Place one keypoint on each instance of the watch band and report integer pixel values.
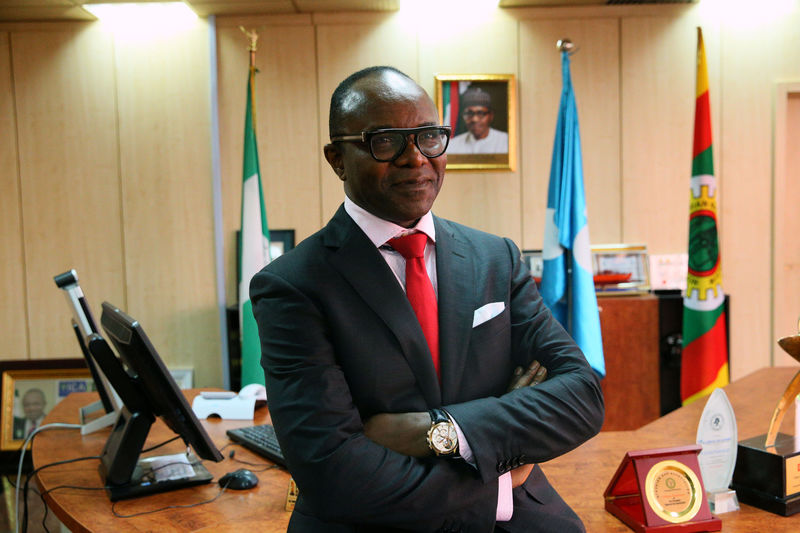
(438, 415)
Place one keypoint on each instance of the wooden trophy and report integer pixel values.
(661, 491)
(767, 473)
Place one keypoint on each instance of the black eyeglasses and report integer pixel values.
(470, 114)
(386, 145)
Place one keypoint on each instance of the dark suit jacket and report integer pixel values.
(341, 343)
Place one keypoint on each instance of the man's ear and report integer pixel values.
(333, 154)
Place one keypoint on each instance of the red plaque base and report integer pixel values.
(661, 491)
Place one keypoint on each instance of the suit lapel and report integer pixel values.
(361, 264)
(456, 280)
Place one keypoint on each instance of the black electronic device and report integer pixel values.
(84, 326)
(241, 479)
(260, 439)
(147, 390)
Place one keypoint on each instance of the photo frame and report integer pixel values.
(534, 260)
(280, 241)
(481, 110)
(620, 269)
(31, 388)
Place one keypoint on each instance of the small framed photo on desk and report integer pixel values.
(30, 389)
(620, 269)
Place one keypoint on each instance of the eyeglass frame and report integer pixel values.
(367, 135)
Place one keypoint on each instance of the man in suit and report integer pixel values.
(33, 405)
(356, 386)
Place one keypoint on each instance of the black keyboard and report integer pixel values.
(261, 439)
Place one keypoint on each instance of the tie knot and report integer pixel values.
(411, 245)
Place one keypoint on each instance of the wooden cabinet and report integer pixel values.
(631, 348)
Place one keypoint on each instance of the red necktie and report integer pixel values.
(419, 289)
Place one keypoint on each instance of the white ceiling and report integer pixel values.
(30, 10)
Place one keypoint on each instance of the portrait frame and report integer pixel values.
(280, 242)
(620, 269)
(502, 89)
(534, 260)
(56, 378)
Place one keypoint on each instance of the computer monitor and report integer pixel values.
(147, 390)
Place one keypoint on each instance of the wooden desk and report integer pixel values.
(260, 509)
(580, 477)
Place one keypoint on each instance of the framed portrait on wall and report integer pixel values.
(481, 110)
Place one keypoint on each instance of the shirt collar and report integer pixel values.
(379, 230)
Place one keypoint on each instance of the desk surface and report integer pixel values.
(580, 476)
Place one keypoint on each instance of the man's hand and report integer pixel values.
(534, 375)
(520, 474)
(404, 433)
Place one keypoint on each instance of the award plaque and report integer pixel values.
(767, 473)
(661, 491)
(716, 433)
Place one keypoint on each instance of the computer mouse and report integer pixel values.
(241, 479)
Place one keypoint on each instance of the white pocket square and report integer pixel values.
(487, 312)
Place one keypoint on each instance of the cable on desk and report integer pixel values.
(151, 448)
(42, 494)
(185, 506)
(30, 437)
(30, 476)
(267, 466)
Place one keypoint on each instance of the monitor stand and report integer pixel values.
(144, 479)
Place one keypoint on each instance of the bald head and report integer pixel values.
(365, 88)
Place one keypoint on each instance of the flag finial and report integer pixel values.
(253, 36)
(565, 45)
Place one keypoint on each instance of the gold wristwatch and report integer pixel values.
(442, 436)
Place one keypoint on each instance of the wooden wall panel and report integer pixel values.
(287, 118)
(595, 77)
(658, 88)
(164, 131)
(749, 71)
(346, 44)
(70, 196)
(13, 323)
(786, 226)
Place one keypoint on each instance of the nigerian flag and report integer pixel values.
(253, 244)
(704, 361)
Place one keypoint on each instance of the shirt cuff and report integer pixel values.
(505, 498)
(463, 447)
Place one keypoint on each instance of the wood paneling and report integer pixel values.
(595, 77)
(287, 133)
(12, 276)
(658, 87)
(632, 386)
(70, 197)
(164, 132)
(786, 224)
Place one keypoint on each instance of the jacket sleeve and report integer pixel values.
(343, 476)
(533, 424)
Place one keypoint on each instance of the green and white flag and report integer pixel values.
(253, 244)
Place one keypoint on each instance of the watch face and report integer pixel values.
(443, 438)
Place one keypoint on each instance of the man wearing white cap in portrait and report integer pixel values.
(480, 137)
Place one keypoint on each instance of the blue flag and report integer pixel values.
(567, 281)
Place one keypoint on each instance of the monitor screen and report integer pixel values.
(160, 390)
(147, 390)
